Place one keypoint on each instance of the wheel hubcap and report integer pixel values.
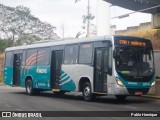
(29, 87)
(87, 91)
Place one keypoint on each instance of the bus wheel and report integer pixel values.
(121, 97)
(87, 95)
(29, 88)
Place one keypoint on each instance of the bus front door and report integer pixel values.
(17, 68)
(100, 70)
(56, 64)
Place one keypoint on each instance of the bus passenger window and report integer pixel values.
(24, 57)
(31, 57)
(71, 54)
(85, 54)
(43, 56)
(8, 59)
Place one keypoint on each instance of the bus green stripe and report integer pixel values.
(64, 79)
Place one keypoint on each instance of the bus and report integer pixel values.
(106, 65)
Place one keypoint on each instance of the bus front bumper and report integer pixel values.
(118, 90)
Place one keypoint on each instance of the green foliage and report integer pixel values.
(4, 44)
(18, 25)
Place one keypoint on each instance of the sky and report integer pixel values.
(69, 14)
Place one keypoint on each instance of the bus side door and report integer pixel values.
(17, 60)
(43, 68)
(56, 66)
(100, 69)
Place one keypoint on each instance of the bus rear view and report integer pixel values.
(134, 66)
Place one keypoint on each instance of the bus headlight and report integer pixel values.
(153, 83)
(119, 82)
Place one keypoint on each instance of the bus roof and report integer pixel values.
(49, 43)
(59, 42)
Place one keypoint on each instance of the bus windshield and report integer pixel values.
(134, 61)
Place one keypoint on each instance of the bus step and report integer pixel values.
(55, 90)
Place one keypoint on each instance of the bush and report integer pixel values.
(1, 67)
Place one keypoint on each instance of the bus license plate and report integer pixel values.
(138, 93)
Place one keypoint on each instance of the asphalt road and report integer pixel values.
(15, 99)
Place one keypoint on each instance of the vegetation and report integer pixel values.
(1, 67)
(19, 26)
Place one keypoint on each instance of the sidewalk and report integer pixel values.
(3, 85)
(152, 96)
(154, 93)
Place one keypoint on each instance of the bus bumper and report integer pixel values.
(118, 90)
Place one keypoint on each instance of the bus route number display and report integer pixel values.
(132, 43)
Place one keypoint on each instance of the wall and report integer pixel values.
(157, 62)
(144, 30)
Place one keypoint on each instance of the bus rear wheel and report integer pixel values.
(87, 94)
(29, 88)
(121, 97)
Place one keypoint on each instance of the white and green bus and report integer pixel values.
(108, 65)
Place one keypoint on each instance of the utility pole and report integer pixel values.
(88, 20)
(87, 17)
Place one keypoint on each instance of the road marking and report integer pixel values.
(8, 105)
(131, 107)
(19, 109)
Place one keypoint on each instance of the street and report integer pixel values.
(15, 99)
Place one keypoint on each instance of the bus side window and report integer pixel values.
(31, 57)
(8, 59)
(24, 58)
(85, 53)
(71, 54)
(43, 56)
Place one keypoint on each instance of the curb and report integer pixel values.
(1, 84)
(151, 96)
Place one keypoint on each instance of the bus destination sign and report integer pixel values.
(132, 43)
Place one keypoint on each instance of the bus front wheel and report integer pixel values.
(87, 94)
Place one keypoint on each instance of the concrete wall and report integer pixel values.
(157, 62)
(142, 26)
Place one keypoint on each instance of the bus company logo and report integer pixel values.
(41, 70)
(6, 114)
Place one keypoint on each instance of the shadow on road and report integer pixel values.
(103, 99)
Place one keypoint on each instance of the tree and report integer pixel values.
(4, 44)
(18, 23)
